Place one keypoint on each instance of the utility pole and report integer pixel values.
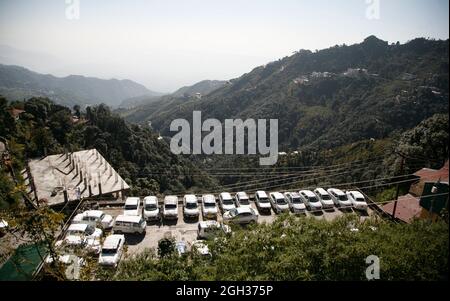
(402, 165)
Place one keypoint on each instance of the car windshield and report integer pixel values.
(360, 200)
(130, 207)
(227, 202)
(233, 213)
(296, 201)
(244, 202)
(109, 251)
(313, 199)
(151, 207)
(343, 197)
(170, 206)
(326, 197)
(210, 205)
(191, 205)
(263, 200)
(281, 201)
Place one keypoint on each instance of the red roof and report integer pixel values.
(407, 208)
(16, 112)
(433, 175)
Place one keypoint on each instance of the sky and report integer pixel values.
(167, 44)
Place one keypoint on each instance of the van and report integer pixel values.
(150, 208)
(262, 201)
(170, 207)
(190, 206)
(129, 224)
(132, 205)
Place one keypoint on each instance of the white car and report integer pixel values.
(94, 218)
(242, 200)
(208, 229)
(240, 215)
(262, 201)
(311, 201)
(150, 208)
(112, 250)
(279, 203)
(340, 199)
(83, 235)
(170, 207)
(134, 224)
(324, 198)
(295, 202)
(132, 205)
(209, 206)
(226, 202)
(358, 200)
(190, 206)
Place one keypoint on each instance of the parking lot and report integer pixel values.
(186, 230)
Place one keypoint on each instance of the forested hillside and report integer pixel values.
(331, 97)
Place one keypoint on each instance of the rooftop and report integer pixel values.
(433, 175)
(75, 172)
(408, 208)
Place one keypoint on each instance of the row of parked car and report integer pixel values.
(238, 209)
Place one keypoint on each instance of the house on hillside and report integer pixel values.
(15, 113)
(427, 197)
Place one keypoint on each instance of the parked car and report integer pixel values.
(170, 207)
(190, 206)
(132, 205)
(358, 200)
(94, 218)
(151, 208)
(209, 206)
(226, 202)
(295, 202)
(129, 224)
(324, 198)
(279, 203)
(242, 200)
(208, 229)
(311, 201)
(262, 201)
(83, 235)
(339, 198)
(240, 215)
(112, 250)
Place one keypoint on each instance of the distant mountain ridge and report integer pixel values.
(197, 91)
(204, 87)
(17, 83)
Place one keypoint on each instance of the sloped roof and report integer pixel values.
(408, 208)
(430, 175)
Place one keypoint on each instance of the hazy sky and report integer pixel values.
(166, 44)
